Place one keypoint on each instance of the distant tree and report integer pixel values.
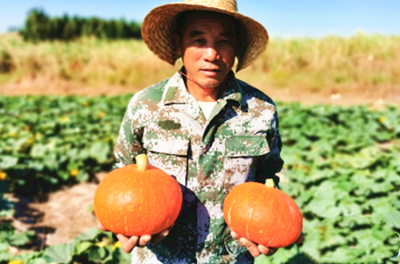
(121, 29)
(135, 30)
(72, 29)
(39, 26)
(36, 26)
(56, 28)
(91, 27)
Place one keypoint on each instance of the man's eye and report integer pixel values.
(226, 41)
(198, 40)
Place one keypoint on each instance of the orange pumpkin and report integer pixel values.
(136, 200)
(263, 214)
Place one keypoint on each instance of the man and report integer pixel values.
(204, 127)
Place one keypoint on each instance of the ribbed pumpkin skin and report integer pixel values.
(136, 203)
(264, 215)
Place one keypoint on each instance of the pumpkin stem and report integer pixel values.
(141, 162)
(270, 183)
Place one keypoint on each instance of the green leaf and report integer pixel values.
(61, 253)
(381, 205)
(31, 257)
(92, 234)
(349, 209)
(7, 162)
(109, 256)
(22, 239)
(121, 257)
(38, 261)
(97, 254)
(290, 255)
(38, 150)
(4, 246)
(392, 217)
(325, 190)
(51, 162)
(83, 176)
(100, 151)
(82, 247)
(323, 208)
(5, 256)
(64, 175)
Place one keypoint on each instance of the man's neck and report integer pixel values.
(202, 94)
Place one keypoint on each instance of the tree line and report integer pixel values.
(39, 26)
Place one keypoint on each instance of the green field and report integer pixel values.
(342, 167)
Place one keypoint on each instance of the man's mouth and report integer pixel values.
(210, 72)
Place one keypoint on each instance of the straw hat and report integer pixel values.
(158, 25)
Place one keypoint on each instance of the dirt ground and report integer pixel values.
(68, 212)
(59, 218)
(354, 96)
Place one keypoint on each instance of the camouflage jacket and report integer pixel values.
(239, 142)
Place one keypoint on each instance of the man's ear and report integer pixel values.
(177, 44)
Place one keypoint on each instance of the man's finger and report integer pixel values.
(100, 226)
(143, 240)
(266, 251)
(157, 238)
(251, 247)
(127, 243)
(234, 235)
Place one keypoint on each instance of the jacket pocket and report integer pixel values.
(167, 151)
(246, 146)
(241, 158)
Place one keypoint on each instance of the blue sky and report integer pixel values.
(284, 18)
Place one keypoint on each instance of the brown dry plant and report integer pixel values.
(336, 63)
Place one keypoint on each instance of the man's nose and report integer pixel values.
(211, 53)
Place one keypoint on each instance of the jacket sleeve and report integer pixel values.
(272, 162)
(129, 143)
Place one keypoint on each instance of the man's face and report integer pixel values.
(208, 48)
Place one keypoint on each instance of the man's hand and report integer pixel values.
(129, 243)
(256, 250)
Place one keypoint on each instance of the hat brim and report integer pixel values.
(158, 26)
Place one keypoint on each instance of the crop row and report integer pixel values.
(48, 141)
(93, 246)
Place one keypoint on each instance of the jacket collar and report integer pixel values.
(176, 92)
